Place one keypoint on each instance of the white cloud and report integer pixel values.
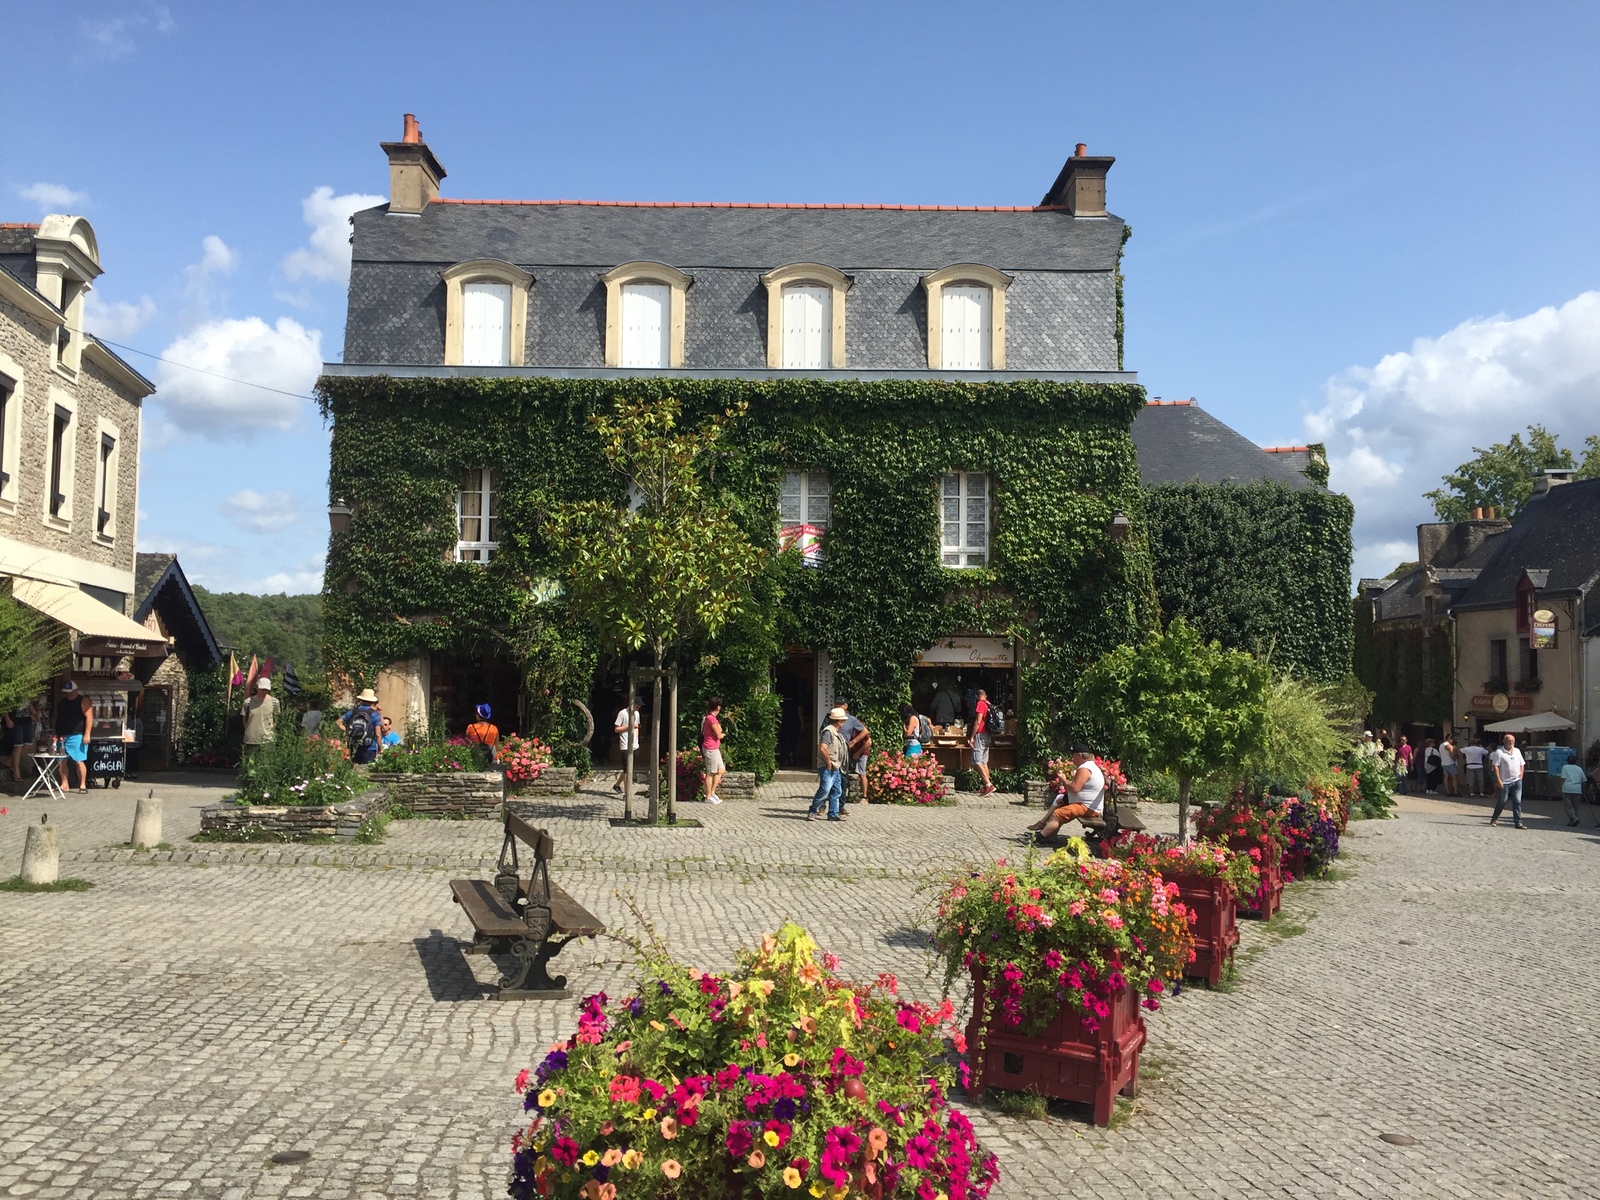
(118, 319)
(260, 513)
(218, 260)
(53, 197)
(1394, 429)
(211, 393)
(113, 37)
(328, 256)
(303, 578)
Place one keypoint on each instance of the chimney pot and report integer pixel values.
(1489, 512)
(413, 133)
(1477, 513)
(1082, 151)
(414, 173)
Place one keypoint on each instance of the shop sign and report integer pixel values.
(113, 647)
(1499, 704)
(1543, 633)
(969, 652)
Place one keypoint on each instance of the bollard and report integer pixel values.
(41, 855)
(147, 824)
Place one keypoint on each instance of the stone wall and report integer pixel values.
(468, 793)
(738, 785)
(552, 781)
(342, 821)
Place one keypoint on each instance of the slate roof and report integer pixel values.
(1179, 442)
(1558, 532)
(160, 584)
(846, 237)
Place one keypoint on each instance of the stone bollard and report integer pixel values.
(147, 824)
(41, 855)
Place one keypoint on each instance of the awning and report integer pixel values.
(102, 631)
(1533, 723)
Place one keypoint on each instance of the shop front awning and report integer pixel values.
(1533, 723)
(101, 630)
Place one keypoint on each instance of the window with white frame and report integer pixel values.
(485, 324)
(477, 520)
(805, 510)
(107, 465)
(646, 324)
(807, 325)
(964, 335)
(964, 519)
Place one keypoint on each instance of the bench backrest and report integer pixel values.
(537, 840)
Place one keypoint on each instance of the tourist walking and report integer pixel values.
(915, 730)
(1447, 760)
(982, 739)
(311, 719)
(1508, 765)
(1087, 792)
(1475, 754)
(713, 768)
(626, 729)
(1573, 778)
(1404, 756)
(833, 756)
(858, 741)
(24, 732)
(360, 727)
(74, 721)
(260, 717)
(1432, 766)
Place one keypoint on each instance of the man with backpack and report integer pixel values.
(985, 724)
(360, 727)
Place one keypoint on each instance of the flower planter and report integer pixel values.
(1063, 1060)
(1294, 864)
(1216, 926)
(1270, 898)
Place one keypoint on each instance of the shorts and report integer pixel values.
(1450, 768)
(980, 749)
(713, 760)
(75, 748)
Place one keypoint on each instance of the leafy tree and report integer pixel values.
(283, 628)
(1306, 731)
(1181, 704)
(31, 648)
(671, 566)
(1502, 476)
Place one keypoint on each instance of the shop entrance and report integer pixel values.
(462, 681)
(795, 682)
(945, 682)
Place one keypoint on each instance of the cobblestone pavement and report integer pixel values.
(203, 1008)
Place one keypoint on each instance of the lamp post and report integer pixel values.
(338, 517)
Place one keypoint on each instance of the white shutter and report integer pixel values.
(486, 324)
(964, 328)
(807, 326)
(645, 324)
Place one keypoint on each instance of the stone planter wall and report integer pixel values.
(453, 793)
(342, 821)
(738, 785)
(552, 781)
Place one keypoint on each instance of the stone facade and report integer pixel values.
(341, 821)
(465, 793)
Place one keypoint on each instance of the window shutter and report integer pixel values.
(486, 324)
(964, 329)
(807, 326)
(645, 324)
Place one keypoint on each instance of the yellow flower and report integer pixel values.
(632, 1159)
(770, 1137)
(817, 1189)
(649, 1114)
(791, 1177)
(658, 1026)
(791, 1060)
(546, 1098)
(590, 1159)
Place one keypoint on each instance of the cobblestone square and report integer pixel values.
(203, 1008)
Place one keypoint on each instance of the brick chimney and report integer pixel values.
(414, 173)
(1081, 186)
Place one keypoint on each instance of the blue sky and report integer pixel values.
(1374, 224)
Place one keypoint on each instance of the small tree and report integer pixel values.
(1178, 703)
(31, 649)
(673, 564)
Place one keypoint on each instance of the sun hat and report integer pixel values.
(837, 714)
(264, 683)
(368, 696)
(484, 712)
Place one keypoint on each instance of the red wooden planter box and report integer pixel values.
(1216, 927)
(1271, 897)
(1063, 1060)
(1294, 864)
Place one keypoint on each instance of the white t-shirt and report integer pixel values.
(1093, 793)
(1475, 756)
(621, 725)
(1508, 763)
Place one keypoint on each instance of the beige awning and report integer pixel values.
(1535, 723)
(110, 633)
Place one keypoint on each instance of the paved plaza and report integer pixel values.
(199, 1010)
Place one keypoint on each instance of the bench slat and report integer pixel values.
(570, 918)
(487, 909)
(538, 840)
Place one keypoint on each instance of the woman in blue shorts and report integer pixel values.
(74, 715)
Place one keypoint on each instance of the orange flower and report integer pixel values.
(669, 1128)
(757, 1159)
(672, 1168)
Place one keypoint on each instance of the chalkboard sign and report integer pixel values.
(105, 760)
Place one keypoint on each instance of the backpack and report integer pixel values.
(361, 732)
(997, 721)
(924, 729)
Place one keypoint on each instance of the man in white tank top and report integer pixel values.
(1082, 795)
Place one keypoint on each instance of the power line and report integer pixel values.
(202, 370)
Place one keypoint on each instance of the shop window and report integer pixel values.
(964, 519)
(477, 521)
(805, 510)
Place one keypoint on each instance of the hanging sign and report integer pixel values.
(1542, 635)
(805, 538)
(970, 652)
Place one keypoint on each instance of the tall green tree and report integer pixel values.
(1502, 476)
(31, 648)
(672, 564)
(1181, 704)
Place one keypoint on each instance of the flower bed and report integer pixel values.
(1254, 829)
(776, 1078)
(896, 779)
(523, 760)
(428, 758)
(298, 771)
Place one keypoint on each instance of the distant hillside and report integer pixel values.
(284, 628)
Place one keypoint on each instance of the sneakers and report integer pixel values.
(713, 799)
(813, 816)
(986, 790)
(1494, 820)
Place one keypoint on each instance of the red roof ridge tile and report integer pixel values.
(1286, 449)
(1158, 402)
(19, 224)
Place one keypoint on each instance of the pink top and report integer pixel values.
(1406, 752)
(708, 734)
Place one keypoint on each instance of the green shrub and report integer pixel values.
(431, 758)
(298, 770)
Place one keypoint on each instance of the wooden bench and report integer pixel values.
(531, 919)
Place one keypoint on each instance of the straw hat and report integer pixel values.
(368, 696)
(837, 714)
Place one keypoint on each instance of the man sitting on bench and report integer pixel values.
(1087, 792)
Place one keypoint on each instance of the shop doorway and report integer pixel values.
(795, 682)
(461, 681)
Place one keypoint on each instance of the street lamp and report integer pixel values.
(1120, 526)
(339, 517)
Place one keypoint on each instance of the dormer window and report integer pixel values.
(805, 317)
(486, 314)
(967, 318)
(645, 309)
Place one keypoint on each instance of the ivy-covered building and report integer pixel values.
(937, 426)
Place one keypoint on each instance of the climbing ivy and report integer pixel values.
(1258, 567)
(1060, 454)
